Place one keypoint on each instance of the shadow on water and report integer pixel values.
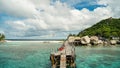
(48, 65)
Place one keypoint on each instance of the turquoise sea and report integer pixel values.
(36, 55)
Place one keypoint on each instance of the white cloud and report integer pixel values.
(18, 8)
(43, 19)
(113, 5)
(18, 25)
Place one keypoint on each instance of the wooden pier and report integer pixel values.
(63, 61)
(64, 57)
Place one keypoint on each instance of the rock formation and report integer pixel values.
(113, 42)
(85, 40)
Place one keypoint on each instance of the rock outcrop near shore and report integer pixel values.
(113, 42)
(85, 40)
(93, 40)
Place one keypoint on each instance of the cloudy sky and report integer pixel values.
(43, 19)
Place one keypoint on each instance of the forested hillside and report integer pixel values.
(105, 28)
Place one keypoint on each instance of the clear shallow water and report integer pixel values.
(98, 57)
(36, 55)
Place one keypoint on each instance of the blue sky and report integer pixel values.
(80, 4)
(54, 19)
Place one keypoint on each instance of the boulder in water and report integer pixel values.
(85, 40)
(94, 40)
(100, 42)
(71, 39)
(113, 42)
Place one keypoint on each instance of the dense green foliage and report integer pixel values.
(105, 28)
(2, 37)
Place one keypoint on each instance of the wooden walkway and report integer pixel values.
(66, 56)
(63, 61)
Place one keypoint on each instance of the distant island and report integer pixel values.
(105, 31)
(2, 37)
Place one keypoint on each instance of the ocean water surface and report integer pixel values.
(36, 55)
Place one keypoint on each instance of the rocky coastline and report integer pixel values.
(92, 41)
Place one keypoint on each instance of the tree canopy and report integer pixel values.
(2, 36)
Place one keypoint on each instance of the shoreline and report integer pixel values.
(2, 41)
(35, 41)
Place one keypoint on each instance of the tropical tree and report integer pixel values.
(2, 36)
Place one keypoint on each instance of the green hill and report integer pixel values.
(105, 28)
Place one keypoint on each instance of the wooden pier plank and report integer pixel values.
(63, 61)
